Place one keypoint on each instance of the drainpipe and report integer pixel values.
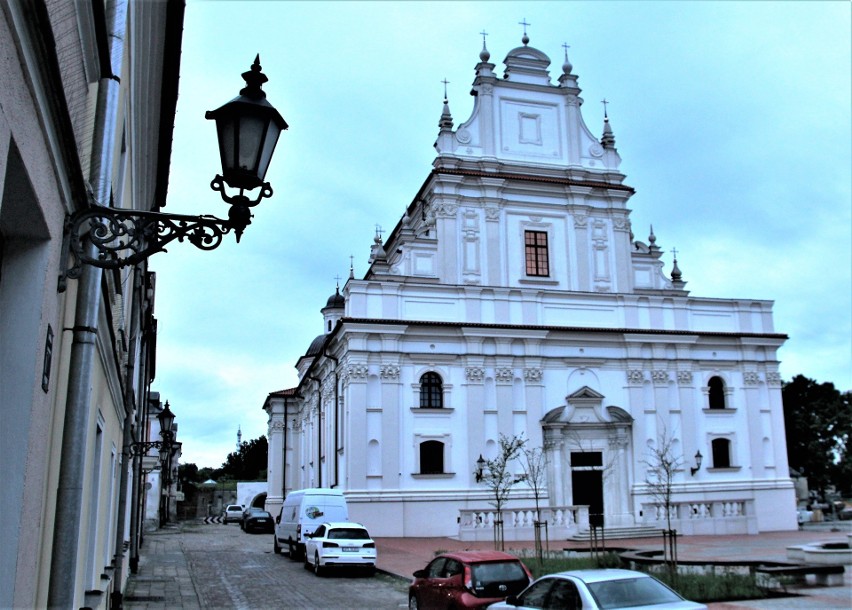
(69, 498)
(336, 418)
(284, 457)
(127, 436)
(319, 428)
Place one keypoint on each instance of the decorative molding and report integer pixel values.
(492, 213)
(684, 377)
(635, 377)
(504, 375)
(660, 377)
(532, 375)
(445, 210)
(358, 371)
(773, 378)
(389, 371)
(581, 221)
(474, 373)
(751, 378)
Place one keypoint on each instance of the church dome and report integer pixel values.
(336, 301)
(316, 346)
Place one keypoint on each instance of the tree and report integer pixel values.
(660, 467)
(818, 421)
(249, 463)
(499, 479)
(534, 464)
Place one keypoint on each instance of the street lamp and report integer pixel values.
(165, 446)
(248, 128)
(480, 467)
(697, 467)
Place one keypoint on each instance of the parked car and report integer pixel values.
(606, 589)
(467, 579)
(303, 511)
(246, 513)
(259, 521)
(232, 512)
(340, 544)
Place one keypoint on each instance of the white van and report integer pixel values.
(302, 513)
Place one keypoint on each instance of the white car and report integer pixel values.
(340, 544)
(232, 512)
(606, 589)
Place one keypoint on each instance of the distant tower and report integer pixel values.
(239, 438)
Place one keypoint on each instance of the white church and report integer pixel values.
(512, 298)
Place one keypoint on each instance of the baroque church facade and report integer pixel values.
(513, 299)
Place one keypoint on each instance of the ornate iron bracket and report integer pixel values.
(124, 237)
(141, 448)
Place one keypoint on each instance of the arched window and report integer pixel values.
(721, 452)
(431, 391)
(431, 457)
(717, 393)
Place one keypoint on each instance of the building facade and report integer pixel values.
(513, 299)
(86, 115)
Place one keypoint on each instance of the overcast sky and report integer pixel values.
(732, 120)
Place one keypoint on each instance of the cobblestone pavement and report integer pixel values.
(218, 566)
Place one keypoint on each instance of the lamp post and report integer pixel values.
(248, 128)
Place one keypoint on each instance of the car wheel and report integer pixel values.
(412, 602)
(317, 567)
(275, 546)
(291, 550)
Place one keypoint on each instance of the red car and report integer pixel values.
(467, 579)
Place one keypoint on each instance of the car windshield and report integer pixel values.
(631, 592)
(348, 533)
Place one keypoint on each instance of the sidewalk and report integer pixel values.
(164, 581)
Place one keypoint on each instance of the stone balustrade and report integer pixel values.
(519, 523)
(705, 517)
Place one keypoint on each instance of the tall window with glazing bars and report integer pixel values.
(535, 249)
(431, 391)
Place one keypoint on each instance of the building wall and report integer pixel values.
(595, 351)
(50, 65)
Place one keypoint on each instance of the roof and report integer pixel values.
(598, 575)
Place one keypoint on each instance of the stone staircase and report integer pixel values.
(618, 533)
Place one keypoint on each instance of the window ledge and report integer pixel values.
(727, 469)
(542, 281)
(725, 411)
(431, 410)
(443, 475)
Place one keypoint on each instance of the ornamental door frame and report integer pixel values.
(601, 440)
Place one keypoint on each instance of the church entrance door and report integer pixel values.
(588, 490)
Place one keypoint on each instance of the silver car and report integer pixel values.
(607, 589)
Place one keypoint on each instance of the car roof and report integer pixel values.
(479, 556)
(601, 574)
(343, 524)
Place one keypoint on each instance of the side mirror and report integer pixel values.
(420, 574)
(512, 600)
(278, 519)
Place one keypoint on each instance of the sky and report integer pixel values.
(732, 120)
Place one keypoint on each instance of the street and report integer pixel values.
(231, 569)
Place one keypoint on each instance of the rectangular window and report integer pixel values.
(535, 249)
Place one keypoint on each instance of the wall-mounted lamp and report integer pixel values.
(480, 467)
(697, 467)
(248, 128)
(165, 446)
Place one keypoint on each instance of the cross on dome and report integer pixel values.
(526, 38)
(484, 55)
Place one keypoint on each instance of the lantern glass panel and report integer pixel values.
(227, 143)
(272, 133)
(251, 136)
